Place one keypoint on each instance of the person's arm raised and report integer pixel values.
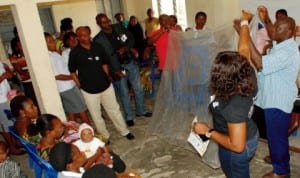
(243, 45)
(153, 38)
(264, 17)
(246, 46)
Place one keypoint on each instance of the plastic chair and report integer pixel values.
(9, 115)
(40, 166)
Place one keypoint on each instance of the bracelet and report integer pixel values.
(244, 22)
(208, 134)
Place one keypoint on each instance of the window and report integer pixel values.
(110, 8)
(172, 7)
(7, 25)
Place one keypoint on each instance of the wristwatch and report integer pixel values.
(208, 134)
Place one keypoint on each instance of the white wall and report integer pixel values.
(137, 8)
(219, 12)
(82, 12)
(292, 7)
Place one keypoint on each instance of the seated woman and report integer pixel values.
(51, 129)
(25, 112)
(68, 161)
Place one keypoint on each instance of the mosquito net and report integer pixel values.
(183, 90)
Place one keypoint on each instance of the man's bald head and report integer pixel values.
(164, 20)
(86, 29)
(284, 28)
(84, 35)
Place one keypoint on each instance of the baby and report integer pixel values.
(94, 149)
(8, 167)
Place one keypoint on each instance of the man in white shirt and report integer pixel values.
(200, 21)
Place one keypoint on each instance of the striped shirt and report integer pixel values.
(277, 79)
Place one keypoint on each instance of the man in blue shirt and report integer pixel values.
(277, 73)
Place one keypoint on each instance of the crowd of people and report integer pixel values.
(93, 71)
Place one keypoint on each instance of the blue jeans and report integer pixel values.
(133, 76)
(277, 123)
(236, 165)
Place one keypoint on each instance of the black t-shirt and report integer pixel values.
(88, 63)
(114, 40)
(236, 110)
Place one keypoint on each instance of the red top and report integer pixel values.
(161, 47)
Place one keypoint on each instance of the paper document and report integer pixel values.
(194, 139)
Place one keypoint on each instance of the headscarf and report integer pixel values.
(85, 126)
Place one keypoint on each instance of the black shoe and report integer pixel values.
(147, 114)
(130, 123)
(129, 136)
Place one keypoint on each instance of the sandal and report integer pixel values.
(267, 159)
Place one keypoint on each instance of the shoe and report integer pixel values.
(147, 114)
(129, 136)
(130, 123)
(274, 175)
(267, 159)
(107, 142)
